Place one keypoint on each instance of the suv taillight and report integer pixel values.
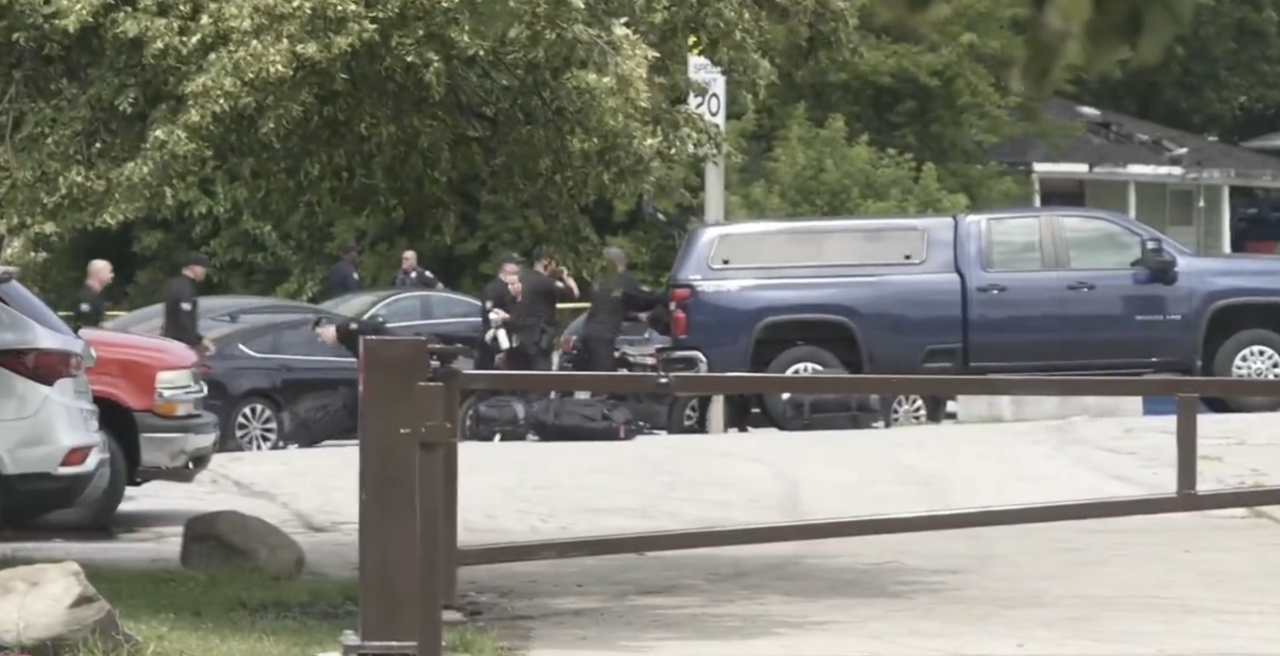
(42, 366)
(679, 296)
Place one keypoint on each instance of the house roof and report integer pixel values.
(1116, 139)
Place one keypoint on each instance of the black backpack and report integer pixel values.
(497, 419)
(582, 420)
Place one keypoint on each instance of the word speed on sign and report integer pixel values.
(711, 103)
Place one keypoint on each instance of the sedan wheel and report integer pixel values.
(256, 427)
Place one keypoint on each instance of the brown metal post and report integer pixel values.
(433, 551)
(390, 368)
(1188, 438)
(449, 533)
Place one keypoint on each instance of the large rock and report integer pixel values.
(52, 609)
(228, 539)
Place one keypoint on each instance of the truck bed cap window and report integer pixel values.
(845, 246)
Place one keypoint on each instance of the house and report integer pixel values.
(1177, 182)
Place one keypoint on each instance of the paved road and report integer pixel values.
(1201, 584)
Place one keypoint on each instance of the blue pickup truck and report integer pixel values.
(1037, 290)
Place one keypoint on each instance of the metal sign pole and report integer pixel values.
(712, 106)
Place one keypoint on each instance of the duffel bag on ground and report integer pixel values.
(582, 420)
(496, 419)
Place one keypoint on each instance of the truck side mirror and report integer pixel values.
(1157, 260)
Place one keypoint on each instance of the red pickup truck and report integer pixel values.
(149, 396)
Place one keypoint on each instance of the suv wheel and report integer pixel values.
(1252, 353)
(796, 361)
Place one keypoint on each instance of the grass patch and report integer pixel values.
(181, 613)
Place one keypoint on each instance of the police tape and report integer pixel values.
(559, 307)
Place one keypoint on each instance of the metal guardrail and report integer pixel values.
(409, 476)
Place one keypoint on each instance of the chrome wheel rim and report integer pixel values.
(909, 409)
(257, 428)
(800, 369)
(1256, 362)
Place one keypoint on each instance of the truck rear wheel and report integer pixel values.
(795, 361)
(1251, 353)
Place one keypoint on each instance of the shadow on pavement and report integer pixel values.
(620, 604)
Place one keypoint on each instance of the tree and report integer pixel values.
(815, 171)
(269, 132)
(1062, 34)
(1218, 78)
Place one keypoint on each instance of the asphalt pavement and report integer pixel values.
(1189, 584)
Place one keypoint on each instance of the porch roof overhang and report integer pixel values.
(1154, 173)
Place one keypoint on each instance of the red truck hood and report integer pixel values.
(160, 353)
(124, 371)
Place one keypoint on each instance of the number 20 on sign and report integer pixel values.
(711, 104)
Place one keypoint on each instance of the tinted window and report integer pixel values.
(444, 306)
(353, 305)
(1014, 244)
(1098, 244)
(800, 248)
(403, 309)
(136, 318)
(13, 294)
(298, 342)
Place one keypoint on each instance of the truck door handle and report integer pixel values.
(993, 288)
(1081, 286)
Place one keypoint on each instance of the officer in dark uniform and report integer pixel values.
(534, 319)
(343, 277)
(182, 308)
(89, 305)
(496, 295)
(614, 296)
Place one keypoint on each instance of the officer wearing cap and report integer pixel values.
(614, 296)
(343, 277)
(182, 307)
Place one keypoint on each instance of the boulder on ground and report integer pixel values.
(228, 539)
(52, 609)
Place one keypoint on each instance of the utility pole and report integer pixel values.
(711, 105)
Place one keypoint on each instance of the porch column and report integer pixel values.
(1131, 199)
(1224, 215)
(1035, 190)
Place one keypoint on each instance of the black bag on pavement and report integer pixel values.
(811, 412)
(497, 419)
(582, 420)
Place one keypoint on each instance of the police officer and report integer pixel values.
(614, 296)
(89, 306)
(343, 277)
(496, 295)
(411, 275)
(534, 319)
(182, 308)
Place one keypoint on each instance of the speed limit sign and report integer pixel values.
(711, 102)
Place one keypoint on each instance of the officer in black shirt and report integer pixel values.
(182, 308)
(534, 320)
(343, 277)
(496, 295)
(411, 275)
(89, 306)
(614, 296)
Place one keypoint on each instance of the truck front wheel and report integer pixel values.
(1251, 353)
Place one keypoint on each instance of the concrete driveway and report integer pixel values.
(1204, 584)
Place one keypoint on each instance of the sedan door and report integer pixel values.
(317, 383)
(1015, 298)
(453, 318)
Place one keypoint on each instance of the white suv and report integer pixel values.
(51, 449)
